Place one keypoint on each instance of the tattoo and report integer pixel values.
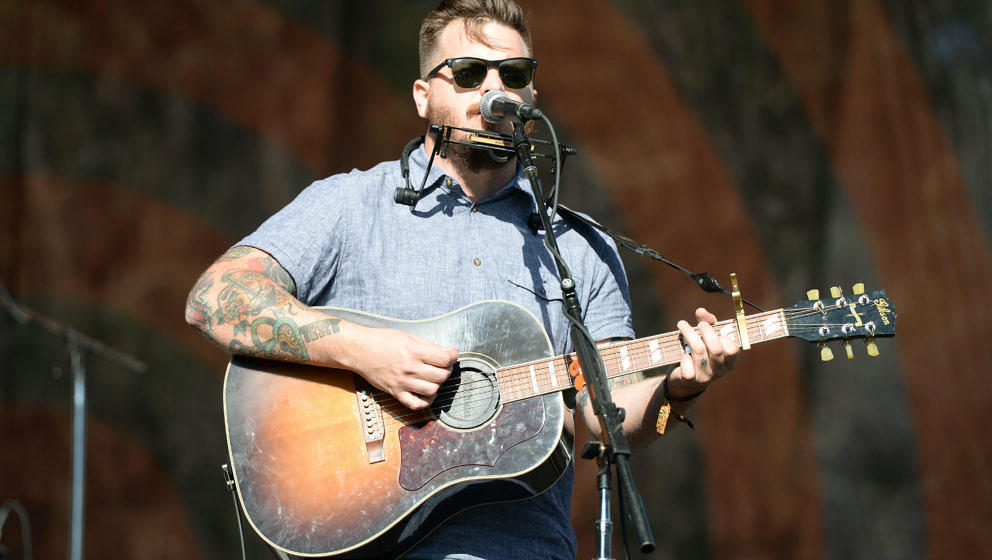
(283, 339)
(582, 397)
(264, 264)
(320, 329)
(198, 308)
(245, 294)
(613, 383)
(624, 380)
(278, 338)
(271, 269)
(235, 253)
(703, 362)
(260, 285)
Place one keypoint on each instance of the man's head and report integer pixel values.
(472, 15)
(491, 30)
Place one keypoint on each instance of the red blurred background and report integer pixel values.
(800, 144)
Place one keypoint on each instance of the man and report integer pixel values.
(345, 243)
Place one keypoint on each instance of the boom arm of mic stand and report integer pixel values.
(615, 447)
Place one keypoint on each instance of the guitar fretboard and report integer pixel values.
(550, 375)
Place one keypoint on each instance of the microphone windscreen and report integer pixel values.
(486, 106)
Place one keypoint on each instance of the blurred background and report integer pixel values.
(800, 144)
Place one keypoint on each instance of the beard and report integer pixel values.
(473, 160)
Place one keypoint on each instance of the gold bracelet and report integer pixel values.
(665, 412)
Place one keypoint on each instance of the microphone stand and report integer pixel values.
(77, 343)
(613, 447)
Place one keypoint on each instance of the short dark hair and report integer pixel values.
(474, 14)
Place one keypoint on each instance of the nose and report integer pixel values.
(492, 82)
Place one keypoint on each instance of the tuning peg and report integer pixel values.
(826, 354)
(859, 288)
(850, 352)
(813, 294)
(835, 291)
(872, 347)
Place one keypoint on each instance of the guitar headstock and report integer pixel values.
(838, 317)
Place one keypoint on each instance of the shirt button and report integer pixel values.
(476, 262)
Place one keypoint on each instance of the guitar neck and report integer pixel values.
(550, 375)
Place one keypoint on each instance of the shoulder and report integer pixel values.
(356, 182)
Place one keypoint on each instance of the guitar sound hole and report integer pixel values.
(469, 398)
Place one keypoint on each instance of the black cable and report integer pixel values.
(623, 525)
(241, 531)
(559, 167)
(704, 280)
(229, 482)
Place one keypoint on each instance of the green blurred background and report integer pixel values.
(800, 144)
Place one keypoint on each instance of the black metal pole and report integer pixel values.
(77, 344)
(616, 448)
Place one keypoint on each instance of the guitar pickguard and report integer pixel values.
(432, 449)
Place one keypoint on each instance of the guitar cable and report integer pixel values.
(229, 482)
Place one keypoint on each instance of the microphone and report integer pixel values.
(496, 107)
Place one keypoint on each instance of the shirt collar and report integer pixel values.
(418, 163)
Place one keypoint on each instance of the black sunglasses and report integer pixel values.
(469, 72)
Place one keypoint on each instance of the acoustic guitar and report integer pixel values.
(328, 466)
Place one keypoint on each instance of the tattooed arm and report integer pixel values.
(641, 395)
(245, 303)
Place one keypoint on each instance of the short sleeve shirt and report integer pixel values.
(347, 243)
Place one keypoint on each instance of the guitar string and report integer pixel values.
(517, 375)
(517, 378)
(472, 401)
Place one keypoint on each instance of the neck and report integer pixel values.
(475, 184)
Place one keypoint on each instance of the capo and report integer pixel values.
(739, 310)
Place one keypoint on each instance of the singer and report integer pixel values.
(344, 242)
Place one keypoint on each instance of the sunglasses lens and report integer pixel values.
(516, 73)
(468, 72)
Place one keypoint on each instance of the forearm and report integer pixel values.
(244, 303)
(641, 396)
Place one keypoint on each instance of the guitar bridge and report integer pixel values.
(372, 424)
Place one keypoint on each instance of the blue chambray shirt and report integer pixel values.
(346, 243)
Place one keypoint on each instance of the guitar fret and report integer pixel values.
(552, 374)
(622, 356)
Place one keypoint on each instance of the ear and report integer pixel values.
(421, 91)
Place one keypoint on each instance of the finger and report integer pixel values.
(731, 349)
(424, 389)
(436, 355)
(436, 375)
(412, 401)
(692, 339)
(688, 368)
(703, 315)
(716, 360)
(710, 338)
